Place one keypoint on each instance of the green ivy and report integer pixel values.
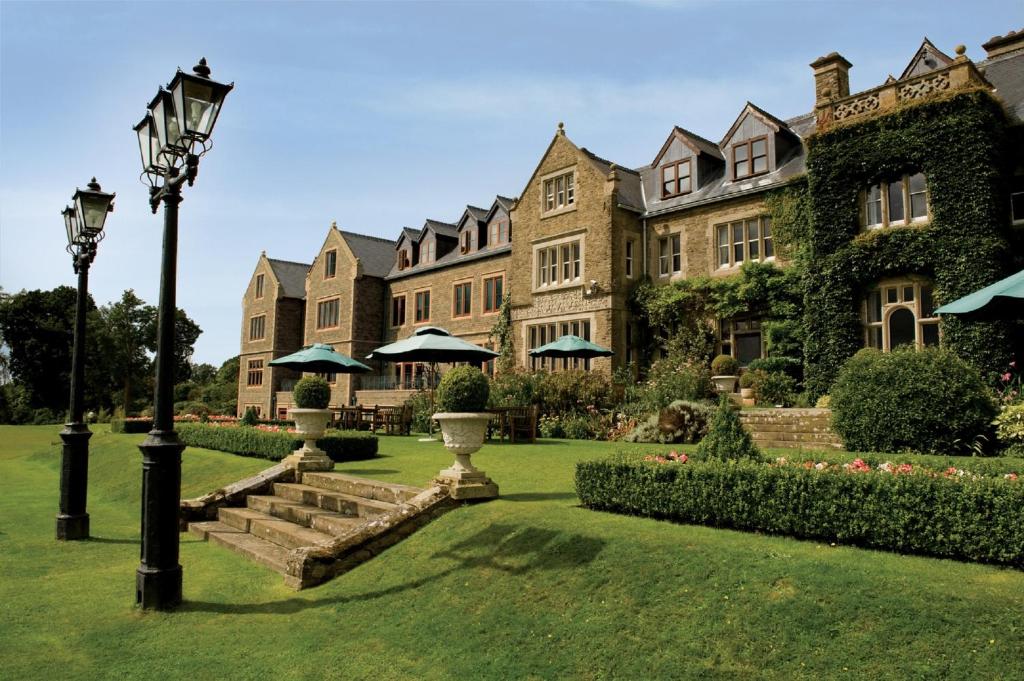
(962, 146)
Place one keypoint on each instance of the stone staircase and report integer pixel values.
(325, 524)
(791, 428)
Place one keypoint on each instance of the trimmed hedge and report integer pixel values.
(262, 444)
(972, 519)
(123, 426)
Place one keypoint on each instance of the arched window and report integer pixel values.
(900, 312)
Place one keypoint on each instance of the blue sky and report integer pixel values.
(381, 115)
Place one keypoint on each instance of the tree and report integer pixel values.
(129, 324)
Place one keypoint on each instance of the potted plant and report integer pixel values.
(461, 399)
(723, 372)
(312, 394)
(747, 381)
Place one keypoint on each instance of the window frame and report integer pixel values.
(396, 308)
(628, 256)
(748, 144)
(879, 328)
(765, 241)
(331, 263)
(676, 181)
(497, 299)
(422, 294)
(259, 286)
(558, 192)
(1016, 190)
(884, 187)
(257, 321)
(551, 269)
(542, 332)
(320, 313)
(254, 373)
(459, 292)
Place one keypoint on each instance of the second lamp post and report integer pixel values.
(172, 137)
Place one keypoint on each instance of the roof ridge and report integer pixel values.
(691, 133)
(289, 262)
(367, 236)
(605, 161)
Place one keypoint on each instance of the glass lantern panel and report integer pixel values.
(200, 107)
(93, 211)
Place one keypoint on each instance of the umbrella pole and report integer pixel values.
(430, 422)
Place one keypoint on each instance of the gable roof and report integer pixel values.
(771, 121)
(291, 276)
(504, 202)
(930, 56)
(473, 212)
(408, 233)
(695, 142)
(445, 229)
(375, 254)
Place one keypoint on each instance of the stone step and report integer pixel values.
(813, 437)
(361, 487)
(271, 555)
(789, 444)
(787, 428)
(340, 502)
(294, 511)
(276, 530)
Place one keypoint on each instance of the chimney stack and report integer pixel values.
(831, 78)
(1004, 44)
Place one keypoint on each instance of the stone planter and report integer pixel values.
(463, 435)
(725, 384)
(310, 425)
(747, 393)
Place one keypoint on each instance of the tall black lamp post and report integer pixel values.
(172, 137)
(83, 221)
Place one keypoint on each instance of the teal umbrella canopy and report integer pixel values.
(571, 346)
(432, 344)
(320, 358)
(1001, 300)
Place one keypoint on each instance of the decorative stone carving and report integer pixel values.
(924, 86)
(555, 303)
(856, 107)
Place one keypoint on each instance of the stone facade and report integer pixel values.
(585, 232)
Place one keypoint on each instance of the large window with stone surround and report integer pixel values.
(900, 201)
(900, 312)
(559, 264)
(257, 327)
(542, 334)
(327, 313)
(254, 374)
(744, 241)
(741, 338)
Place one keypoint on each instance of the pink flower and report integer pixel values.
(1006, 377)
(904, 468)
(1010, 476)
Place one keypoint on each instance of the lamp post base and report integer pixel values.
(158, 588)
(73, 526)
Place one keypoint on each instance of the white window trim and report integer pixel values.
(544, 212)
(557, 243)
(907, 220)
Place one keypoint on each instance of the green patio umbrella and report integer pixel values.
(434, 345)
(571, 346)
(1001, 300)
(320, 358)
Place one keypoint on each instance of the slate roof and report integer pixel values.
(504, 202)
(1006, 73)
(630, 195)
(452, 257)
(446, 229)
(477, 212)
(291, 276)
(705, 145)
(376, 255)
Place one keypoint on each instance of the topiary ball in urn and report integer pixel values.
(312, 394)
(723, 373)
(461, 399)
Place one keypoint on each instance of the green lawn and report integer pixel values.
(528, 586)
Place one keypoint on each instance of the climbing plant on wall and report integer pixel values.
(960, 143)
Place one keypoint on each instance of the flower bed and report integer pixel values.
(951, 513)
(275, 442)
(144, 424)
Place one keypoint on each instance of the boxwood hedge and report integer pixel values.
(130, 426)
(339, 445)
(978, 519)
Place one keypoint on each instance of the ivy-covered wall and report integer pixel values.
(962, 146)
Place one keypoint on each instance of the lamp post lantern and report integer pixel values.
(172, 137)
(83, 222)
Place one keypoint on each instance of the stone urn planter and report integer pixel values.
(311, 418)
(724, 384)
(464, 431)
(747, 393)
(724, 370)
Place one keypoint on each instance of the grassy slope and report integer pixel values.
(529, 586)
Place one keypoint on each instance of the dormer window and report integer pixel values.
(403, 259)
(899, 202)
(427, 251)
(465, 242)
(498, 233)
(675, 179)
(750, 158)
(559, 192)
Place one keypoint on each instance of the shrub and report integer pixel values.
(908, 400)
(130, 426)
(724, 365)
(513, 389)
(463, 389)
(824, 402)
(421, 412)
(275, 445)
(550, 427)
(952, 516)
(773, 388)
(726, 438)
(1010, 428)
(748, 380)
(779, 365)
(592, 426)
(311, 392)
(680, 422)
(573, 391)
(249, 418)
(668, 380)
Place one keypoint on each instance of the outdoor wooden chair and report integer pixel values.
(522, 424)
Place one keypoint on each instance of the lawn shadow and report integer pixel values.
(367, 471)
(111, 540)
(538, 496)
(510, 549)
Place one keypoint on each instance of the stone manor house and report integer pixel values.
(584, 230)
